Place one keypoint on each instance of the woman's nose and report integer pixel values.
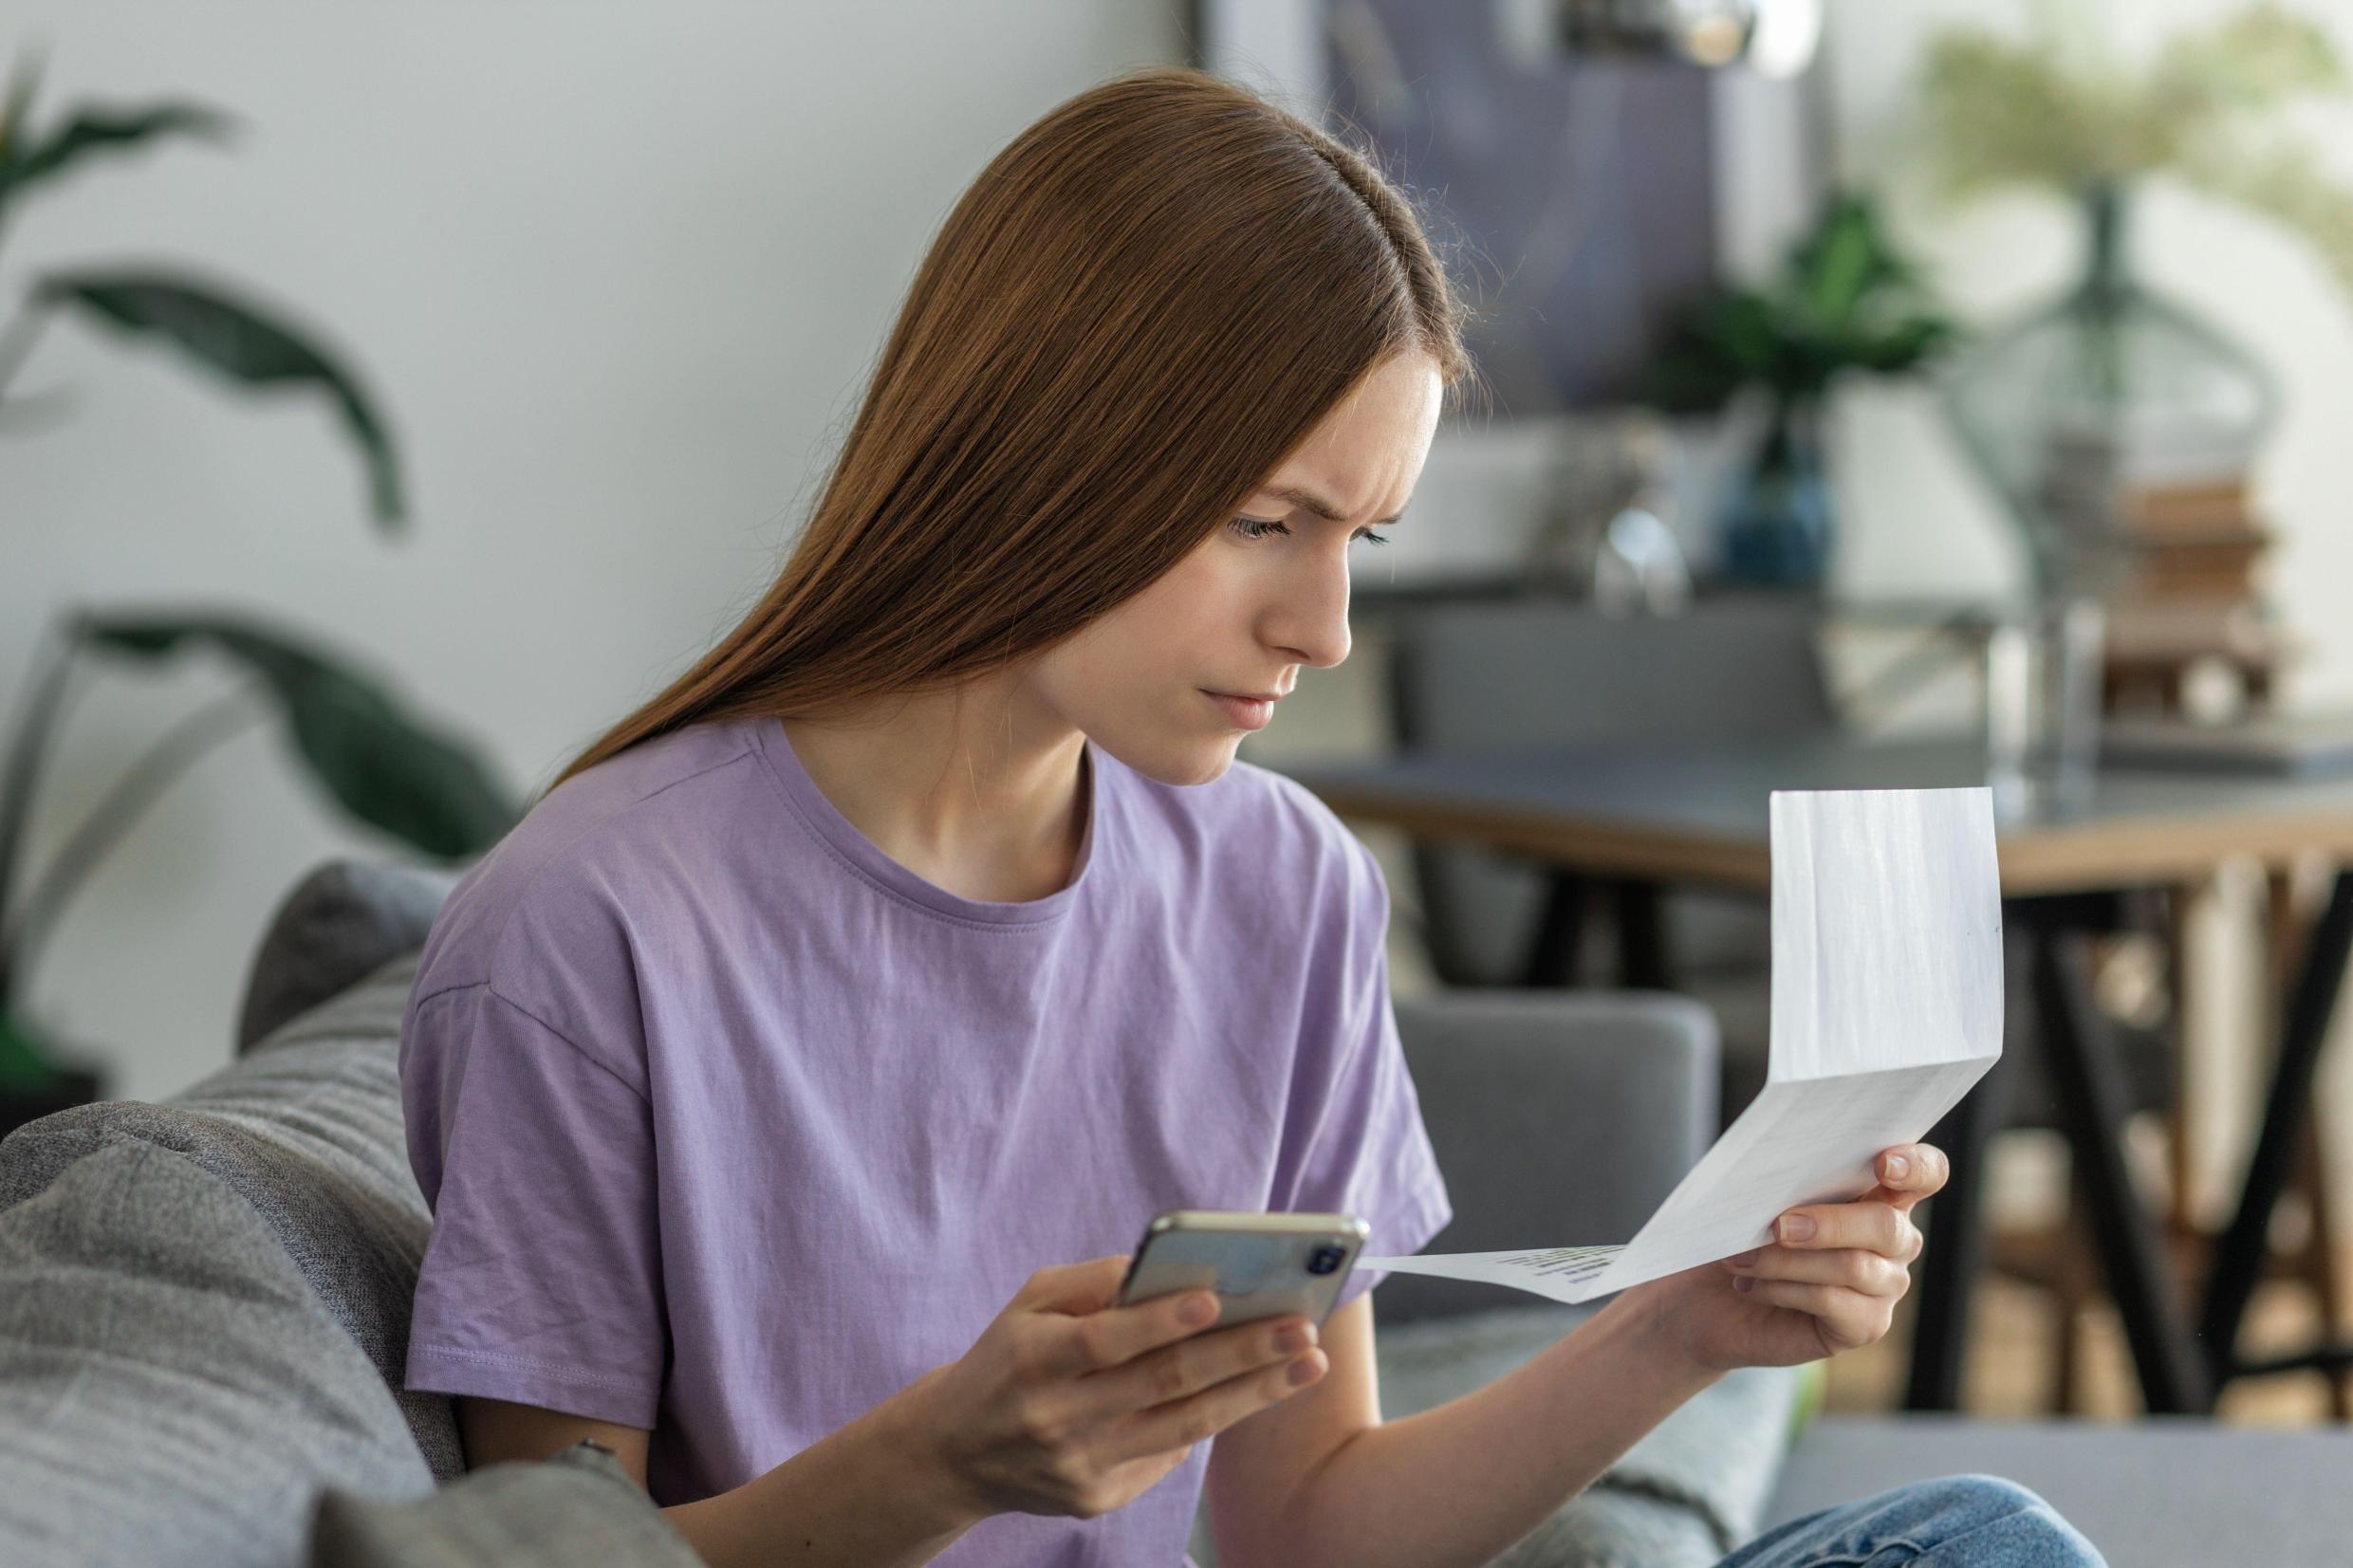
(1312, 626)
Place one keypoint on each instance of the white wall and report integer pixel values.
(617, 271)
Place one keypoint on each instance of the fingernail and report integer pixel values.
(1897, 1164)
(1745, 1259)
(1196, 1310)
(1745, 1284)
(1294, 1337)
(1303, 1370)
(1796, 1228)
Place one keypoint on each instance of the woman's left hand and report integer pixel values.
(1810, 1296)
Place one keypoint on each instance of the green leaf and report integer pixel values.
(2253, 60)
(1996, 111)
(240, 340)
(386, 767)
(1845, 299)
(1741, 327)
(24, 1066)
(1840, 263)
(94, 130)
(24, 81)
(1900, 348)
(1722, 342)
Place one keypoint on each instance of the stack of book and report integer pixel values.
(2162, 519)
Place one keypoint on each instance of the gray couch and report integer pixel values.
(204, 1305)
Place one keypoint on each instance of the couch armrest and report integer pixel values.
(345, 919)
(1559, 1118)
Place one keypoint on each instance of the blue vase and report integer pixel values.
(1779, 520)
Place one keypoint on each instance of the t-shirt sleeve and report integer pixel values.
(1354, 1141)
(541, 1278)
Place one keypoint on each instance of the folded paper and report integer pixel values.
(1887, 1009)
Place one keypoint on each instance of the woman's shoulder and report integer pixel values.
(607, 846)
(1255, 828)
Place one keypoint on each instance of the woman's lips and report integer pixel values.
(1244, 712)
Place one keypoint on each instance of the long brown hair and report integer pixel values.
(1138, 309)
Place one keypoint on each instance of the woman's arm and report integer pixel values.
(494, 1430)
(847, 1498)
(855, 1496)
(1066, 1403)
(1321, 1479)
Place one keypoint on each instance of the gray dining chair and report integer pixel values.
(1529, 673)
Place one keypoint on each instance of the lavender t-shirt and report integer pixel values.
(733, 1126)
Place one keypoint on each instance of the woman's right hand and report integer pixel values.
(1067, 1404)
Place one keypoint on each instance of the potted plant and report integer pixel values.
(376, 762)
(1844, 302)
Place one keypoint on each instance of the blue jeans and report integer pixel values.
(1951, 1521)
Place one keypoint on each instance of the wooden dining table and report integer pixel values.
(1697, 814)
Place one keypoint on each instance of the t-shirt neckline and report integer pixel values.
(824, 819)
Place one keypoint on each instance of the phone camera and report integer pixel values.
(1324, 1259)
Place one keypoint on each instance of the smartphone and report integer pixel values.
(1261, 1265)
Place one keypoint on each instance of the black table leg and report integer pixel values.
(1954, 1223)
(1551, 959)
(2238, 1256)
(1642, 961)
(1635, 907)
(2092, 1108)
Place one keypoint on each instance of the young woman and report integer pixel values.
(790, 1082)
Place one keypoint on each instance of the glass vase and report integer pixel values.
(2042, 708)
(2080, 411)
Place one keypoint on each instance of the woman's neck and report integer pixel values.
(981, 797)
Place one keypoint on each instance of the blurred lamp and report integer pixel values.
(1772, 37)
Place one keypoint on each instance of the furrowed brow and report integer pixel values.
(1322, 508)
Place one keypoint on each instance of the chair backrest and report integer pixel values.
(1533, 673)
(1558, 1119)
(1540, 673)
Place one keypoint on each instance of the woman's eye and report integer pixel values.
(1258, 527)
